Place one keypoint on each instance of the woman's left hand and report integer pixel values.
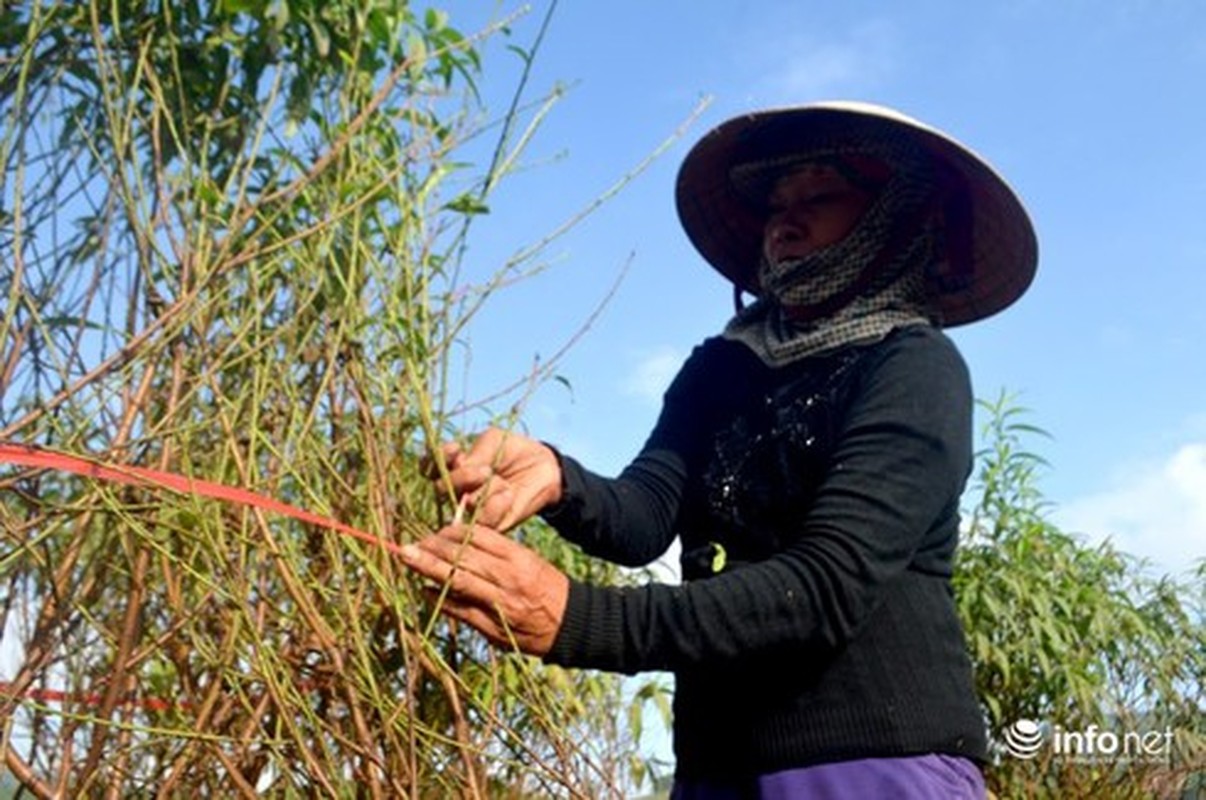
(496, 585)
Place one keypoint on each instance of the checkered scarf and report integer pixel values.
(856, 290)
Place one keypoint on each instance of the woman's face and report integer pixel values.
(810, 208)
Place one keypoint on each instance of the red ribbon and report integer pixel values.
(25, 456)
(91, 698)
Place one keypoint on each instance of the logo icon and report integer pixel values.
(1024, 738)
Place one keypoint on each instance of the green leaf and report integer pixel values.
(468, 204)
(232, 7)
(322, 38)
(435, 19)
(719, 557)
(68, 321)
(564, 381)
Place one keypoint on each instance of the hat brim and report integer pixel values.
(727, 230)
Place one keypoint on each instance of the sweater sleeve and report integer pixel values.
(630, 519)
(898, 466)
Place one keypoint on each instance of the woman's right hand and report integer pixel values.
(503, 478)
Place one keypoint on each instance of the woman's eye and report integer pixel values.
(778, 206)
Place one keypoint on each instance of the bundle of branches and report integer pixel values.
(231, 251)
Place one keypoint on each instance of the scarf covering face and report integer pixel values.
(856, 290)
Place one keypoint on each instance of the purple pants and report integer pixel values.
(928, 777)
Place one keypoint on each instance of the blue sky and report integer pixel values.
(1095, 112)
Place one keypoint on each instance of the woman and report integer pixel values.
(810, 459)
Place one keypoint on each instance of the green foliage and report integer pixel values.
(232, 240)
(1073, 634)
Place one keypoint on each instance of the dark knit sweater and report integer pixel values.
(829, 489)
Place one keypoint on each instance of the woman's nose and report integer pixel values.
(785, 229)
(786, 232)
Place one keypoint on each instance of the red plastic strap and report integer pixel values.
(92, 698)
(25, 456)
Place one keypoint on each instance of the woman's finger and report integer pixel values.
(491, 504)
(485, 620)
(448, 568)
(482, 538)
(487, 578)
(472, 558)
(444, 458)
(489, 545)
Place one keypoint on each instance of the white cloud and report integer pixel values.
(1156, 511)
(653, 373)
(798, 66)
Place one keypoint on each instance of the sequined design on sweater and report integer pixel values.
(766, 464)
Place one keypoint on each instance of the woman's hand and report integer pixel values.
(504, 477)
(496, 585)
